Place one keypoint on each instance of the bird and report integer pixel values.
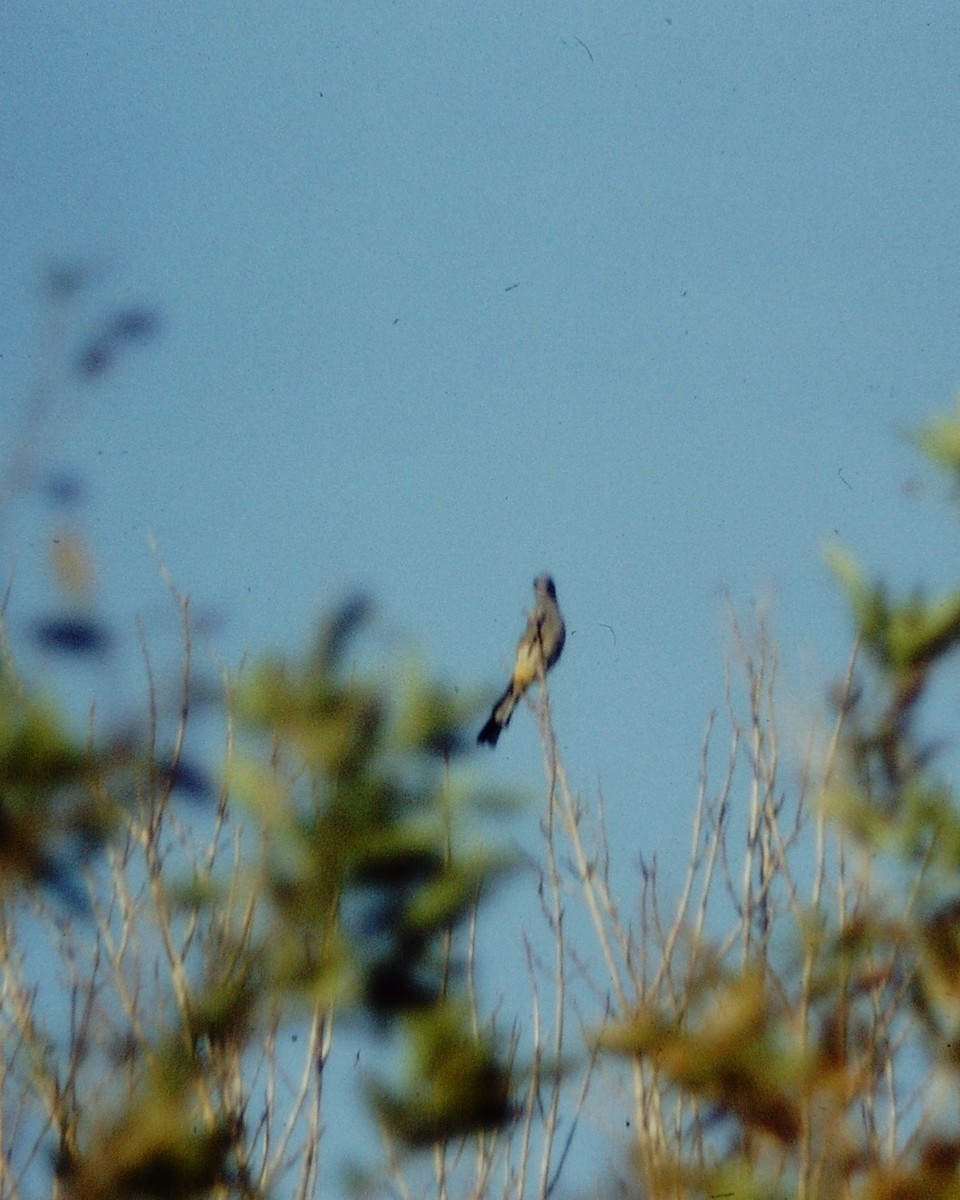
(538, 649)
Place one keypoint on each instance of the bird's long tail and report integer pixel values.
(499, 717)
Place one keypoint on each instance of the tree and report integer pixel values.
(320, 882)
(183, 942)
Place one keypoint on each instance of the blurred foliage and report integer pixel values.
(360, 866)
(362, 875)
(798, 1070)
(367, 871)
(939, 439)
(364, 882)
(455, 1085)
(824, 1063)
(730, 1052)
(54, 808)
(163, 1142)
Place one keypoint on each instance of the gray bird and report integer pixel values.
(538, 649)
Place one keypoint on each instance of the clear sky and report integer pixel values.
(454, 293)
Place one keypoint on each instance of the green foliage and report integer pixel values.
(801, 1055)
(363, 879)
(794, 1055)
(367, 868)
(160, 1144)
(53, 813)
(939, 439)
(455, 1085)
(905, 638)
(730, 1051)
(329, 875)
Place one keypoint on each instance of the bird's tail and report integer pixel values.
(499, 718)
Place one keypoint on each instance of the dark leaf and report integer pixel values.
(72, 635)
(184, 777)
(65, 280)
(63, 489)
(337, 632)
(395, 986)
(94, 360)
(135, 324)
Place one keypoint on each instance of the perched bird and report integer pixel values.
(538, 649)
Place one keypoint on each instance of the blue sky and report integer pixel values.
(455, 293)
